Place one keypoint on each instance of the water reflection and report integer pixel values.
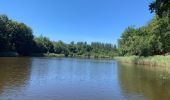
(58, 79)
(144, 80)
(14, 74)
(80, 79)
(73, 79)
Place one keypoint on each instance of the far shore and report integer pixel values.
(62, 55)
(158, 60)
(14, 54)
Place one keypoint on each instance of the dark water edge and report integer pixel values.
(47, 78)
(8, 54)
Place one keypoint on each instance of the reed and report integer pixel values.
(151, 60)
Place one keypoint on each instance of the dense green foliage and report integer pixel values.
(95, 49)
(17, 37)
(43, 45)
(148, 40)
(81, 49)
(160, 7)
(151, 39)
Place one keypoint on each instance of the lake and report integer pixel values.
(80, 79)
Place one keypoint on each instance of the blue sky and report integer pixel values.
(78, 20)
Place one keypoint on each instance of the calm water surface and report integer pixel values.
(80, 79)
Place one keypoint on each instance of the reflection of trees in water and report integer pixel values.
(14, 72)
(135, 79)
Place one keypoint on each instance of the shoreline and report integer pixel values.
(159, 60)
(163, 61)
(13, 54)
(74, 56)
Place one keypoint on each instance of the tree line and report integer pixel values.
(44, 45)
(18, 37)
(152, 38)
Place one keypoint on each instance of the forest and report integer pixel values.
(150, 39)
(18, 37)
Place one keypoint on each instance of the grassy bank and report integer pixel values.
(93, 56)
(47, 55)
(151, 60)
(71, 56)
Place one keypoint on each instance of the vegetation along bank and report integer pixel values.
(17, 39)
(139, 45)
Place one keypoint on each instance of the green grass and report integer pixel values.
(91, 56)
(151, 60)
(47, 55)
(53, 55)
